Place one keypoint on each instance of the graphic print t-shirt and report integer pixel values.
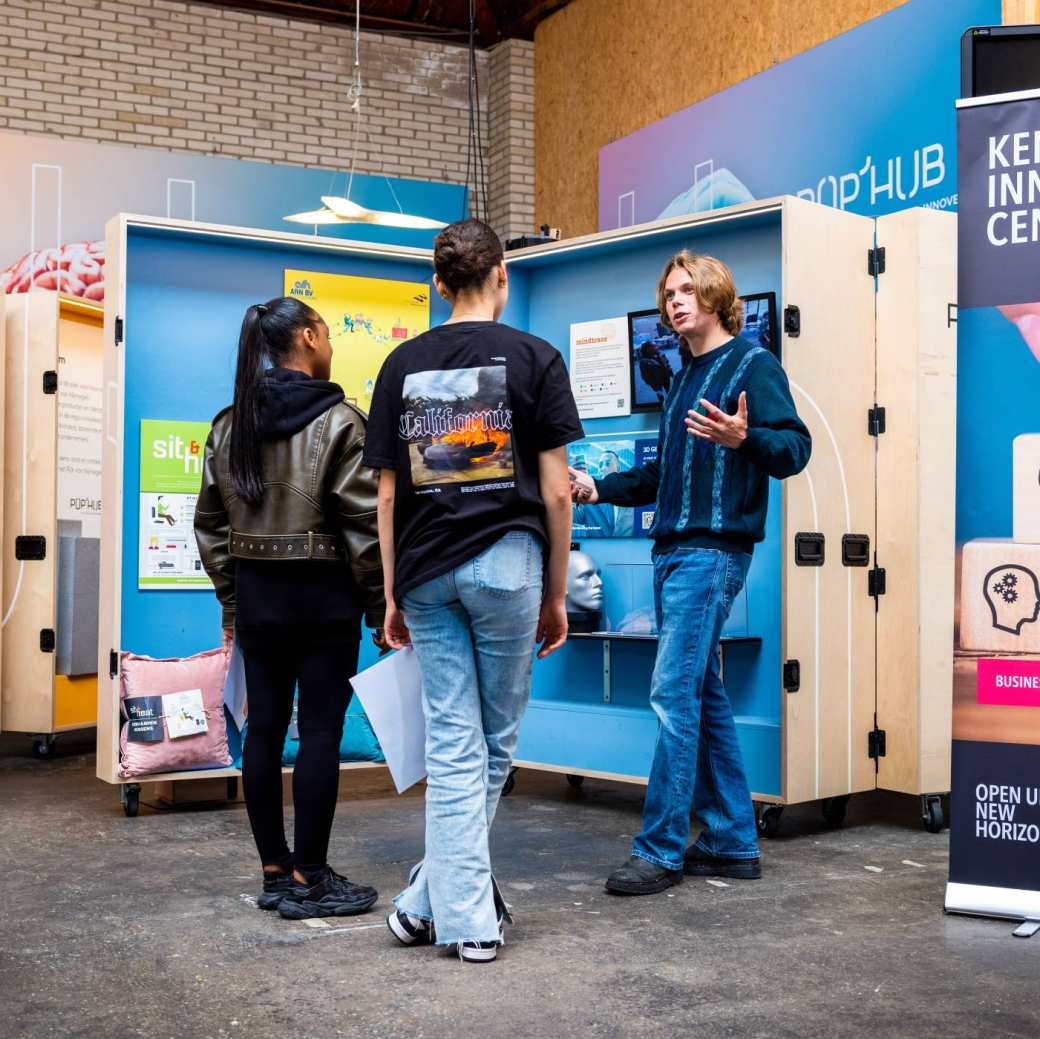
(461, 413)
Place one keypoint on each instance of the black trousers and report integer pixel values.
(317, 664)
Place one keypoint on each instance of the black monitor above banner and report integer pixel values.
(1000, 59)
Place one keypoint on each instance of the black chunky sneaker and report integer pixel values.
(276, 886)
(640, 877)
(697, 863)
(327, 894)
(410, 930)
(477, 952)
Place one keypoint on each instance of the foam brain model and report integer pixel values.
(76, 269)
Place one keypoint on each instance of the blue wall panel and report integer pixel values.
(185, 298)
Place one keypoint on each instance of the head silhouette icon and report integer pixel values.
(1013, 594)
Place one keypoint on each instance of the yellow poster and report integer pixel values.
(367, 318)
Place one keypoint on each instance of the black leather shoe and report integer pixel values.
(697, 863)
(640, 877)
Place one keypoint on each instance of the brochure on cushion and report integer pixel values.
(150, 677)
(359, 742)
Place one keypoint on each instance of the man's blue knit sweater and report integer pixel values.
(710, 496)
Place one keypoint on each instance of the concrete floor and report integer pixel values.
(114, 927)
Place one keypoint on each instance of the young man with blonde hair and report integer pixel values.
(729, 423)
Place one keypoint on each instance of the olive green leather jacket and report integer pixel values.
(319, 503)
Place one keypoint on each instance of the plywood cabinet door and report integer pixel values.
(30, 489)
(828, 615)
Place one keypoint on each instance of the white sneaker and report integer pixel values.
(410, 930)
(477, 952)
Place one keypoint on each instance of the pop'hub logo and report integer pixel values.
(173, 448)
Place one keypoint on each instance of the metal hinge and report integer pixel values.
(792, 321)
(30, 546)
(119, 330)
(113, 663)
(876, 261)
(50, 382)
(876, 584)
(792, 676)
(47, 641)
(876, 743)
(876, 421)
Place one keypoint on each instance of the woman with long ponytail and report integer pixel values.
(286, 527)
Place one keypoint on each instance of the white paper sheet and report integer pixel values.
(391, 693)
(235, 687)
(599, 367)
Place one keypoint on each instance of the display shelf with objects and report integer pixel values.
(813, 630)
(177, 294)
(52, 515)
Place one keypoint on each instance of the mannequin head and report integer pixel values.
(584, 584)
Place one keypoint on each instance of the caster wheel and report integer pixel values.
(834, 809)
(932, 814)
(575, 782)
(507, 786)
(43, 747)
(131, 798)
(769, 820)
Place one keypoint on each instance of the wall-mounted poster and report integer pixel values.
(599, 371)
(367, 318)
(171, 475)
(600, 457)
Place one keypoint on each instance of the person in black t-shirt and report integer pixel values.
(469, 428)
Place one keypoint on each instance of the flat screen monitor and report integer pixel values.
(655, 353)
(1000, 59)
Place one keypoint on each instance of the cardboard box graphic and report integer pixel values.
(1027, 487)
(1000, 596)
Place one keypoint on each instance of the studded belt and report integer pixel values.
(284, 546)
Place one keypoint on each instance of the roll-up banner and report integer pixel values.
(995, 800)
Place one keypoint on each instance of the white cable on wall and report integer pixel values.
(25, 458)
(848, 529)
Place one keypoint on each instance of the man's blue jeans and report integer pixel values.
(697, 758)
(473, 631)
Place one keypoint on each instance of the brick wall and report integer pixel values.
(511, 121)
(195, 78)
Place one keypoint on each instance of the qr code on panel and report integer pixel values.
(648, 520)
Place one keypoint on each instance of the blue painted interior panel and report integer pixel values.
(185, 300)
(547, 295)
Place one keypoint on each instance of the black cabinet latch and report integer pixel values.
(875, 421)
(809, 548)
(792, 321)
(792, 676)
(30, 546)
(47, 641)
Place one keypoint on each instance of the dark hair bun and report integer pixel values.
(465, 253)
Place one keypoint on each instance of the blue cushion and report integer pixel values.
(359, 742)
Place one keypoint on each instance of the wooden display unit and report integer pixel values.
(860, 696)
(37, 700)
(139, 315)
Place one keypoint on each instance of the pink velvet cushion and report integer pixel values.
(147, 676)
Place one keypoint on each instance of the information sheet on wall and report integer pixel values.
(171, 474)
(79, 428)
(599, 367)
(367, 318)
